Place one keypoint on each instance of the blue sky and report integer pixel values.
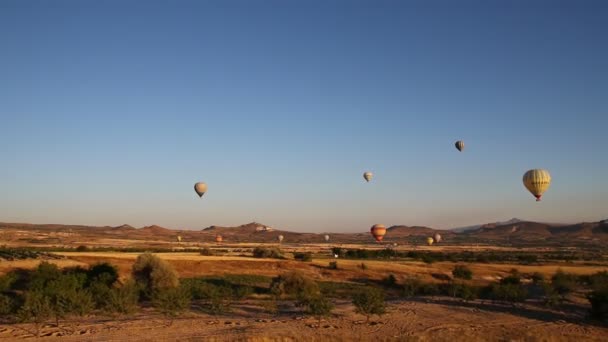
(111, 110)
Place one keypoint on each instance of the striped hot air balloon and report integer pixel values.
(537, 181)
(459, 145)
(378, 231)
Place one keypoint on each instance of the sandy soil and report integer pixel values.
(435, 319)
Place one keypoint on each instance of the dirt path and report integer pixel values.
(441, 320)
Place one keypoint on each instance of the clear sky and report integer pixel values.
(110, 111)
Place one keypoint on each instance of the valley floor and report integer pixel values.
(429, 319)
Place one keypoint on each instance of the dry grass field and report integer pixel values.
(432, 318)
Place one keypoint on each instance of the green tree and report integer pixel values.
(369, 301)
(462, 272)
(152, 273)
(171, 302)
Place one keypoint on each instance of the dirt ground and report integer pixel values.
(428, 319)
(433, 319)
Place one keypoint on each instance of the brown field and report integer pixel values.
(418, 319)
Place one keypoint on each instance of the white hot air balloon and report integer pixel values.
(280, 238)
(368, 176)
(326, 237)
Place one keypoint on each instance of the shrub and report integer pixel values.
(262, 252)
(509, 292)
(43, 275)
(123, 299)
(599, 303)
(303, 256)
(369, 301)
(152, 273)
(428, 259)
(390, 281)
(462, 291)
(538, 278)
(270, 307)
(462, 272)
(363, 266)
(597, 280)
(319, 307)
(333, 265)
(563, 283)
(171, 301)
(102, 273)
(551, 297)
(295, 284)
(206, 252)
(7, 305)
(411, 287)
(82, 248)
(36, 309)
(7, 281)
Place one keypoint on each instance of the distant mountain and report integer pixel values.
(512, 232)
(405, 231)
(468, 228)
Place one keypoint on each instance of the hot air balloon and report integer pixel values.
(326, 237)
(280, 238)
(537, 181)
(179, 238)
(368, 176)
(429, 241)
(200, 188)
(459, 145)
(437, 237)
(378, 231)
(219, 238)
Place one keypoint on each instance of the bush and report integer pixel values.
(122, 300)
(295, 284)
(363, 266)
(563, 283)
(102, 273)
(597, 280)
(390, 281)
(411, 287)
(599, 303)
(538, 278)
(206, 252)
(369, 301)
(171, 301)
(7, 281)
(82, 248)
(262, 252)
(551, 297)
(428, 259)
(152, 273)
(462, 272)
(36, 309)
(462, 291)
(509, 292)
(319, 307)
(7, 305)
(43, 275)
(270, 307)
(333, 265)
(307, 256)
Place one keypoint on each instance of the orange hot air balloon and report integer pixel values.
(219, 238)
(378, 231)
